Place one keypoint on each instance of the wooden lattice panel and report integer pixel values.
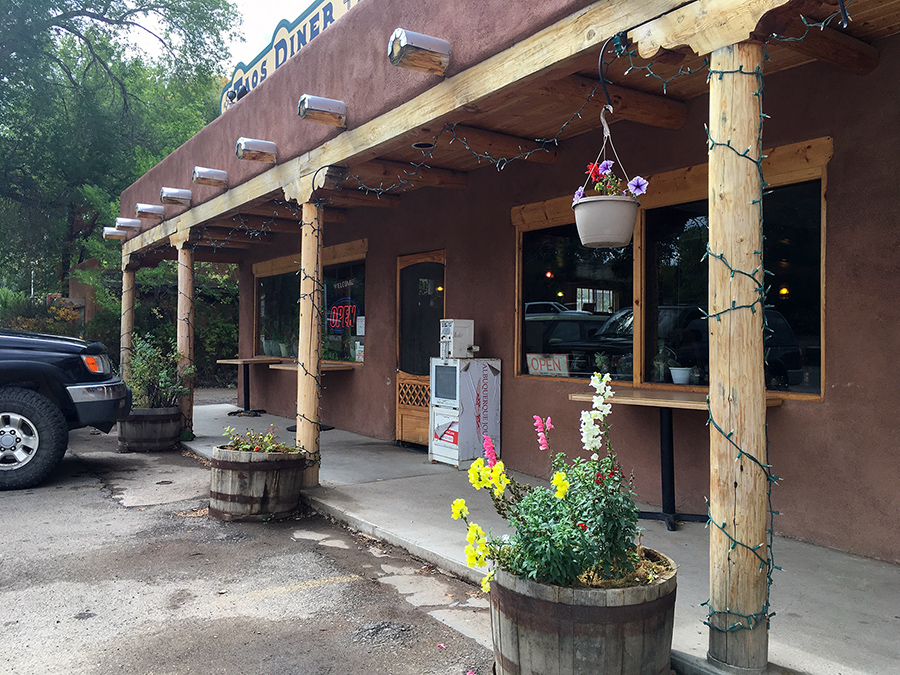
(413, 394)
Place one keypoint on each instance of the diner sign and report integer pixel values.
(288, 39)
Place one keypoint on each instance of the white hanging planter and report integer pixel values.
(606, 221)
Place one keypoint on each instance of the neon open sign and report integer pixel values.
(341, 315)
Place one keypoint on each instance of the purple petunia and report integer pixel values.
(606, 166)
(637, 186)
(579, 193)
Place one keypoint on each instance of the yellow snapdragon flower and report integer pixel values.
(459, 509)
(499, 479)
(561, 484)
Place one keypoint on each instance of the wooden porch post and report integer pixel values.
(126, 334)
(185, 327)
(310, 335)
(738, 620)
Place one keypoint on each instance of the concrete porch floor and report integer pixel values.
(836, 614)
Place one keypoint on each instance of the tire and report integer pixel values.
(33, 438)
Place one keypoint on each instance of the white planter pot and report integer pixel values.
(606, 221)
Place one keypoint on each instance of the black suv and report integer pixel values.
(49, 385)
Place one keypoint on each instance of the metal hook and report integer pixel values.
(606, 108)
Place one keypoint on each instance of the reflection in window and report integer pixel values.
(569, 292)
(677, 278)
(343, 322)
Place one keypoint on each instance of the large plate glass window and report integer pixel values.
(343, 321)
(569, 293)
(676, 290)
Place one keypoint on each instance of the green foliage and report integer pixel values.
(258, 441)
(582, 531)
(82, 117)
(154, 380)
(53, 316)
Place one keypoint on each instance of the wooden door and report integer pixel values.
(420, 308)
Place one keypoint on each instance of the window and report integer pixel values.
(677, 280)
(344, 329)
(344, 305)
(596, 331)
(568, 293)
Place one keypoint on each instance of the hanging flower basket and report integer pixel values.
(606, 220)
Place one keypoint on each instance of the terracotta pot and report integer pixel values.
(606, 221)
(540, 629)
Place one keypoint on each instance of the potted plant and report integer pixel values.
(572, 589)
(155, 421)
(607, 219)
(255, 476)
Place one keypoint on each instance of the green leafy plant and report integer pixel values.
(582, 531)
(258, 441)
(154, 380)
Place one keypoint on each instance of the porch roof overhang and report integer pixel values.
(495, 100)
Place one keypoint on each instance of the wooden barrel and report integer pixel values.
(254, 485)
(150, 430)
(552, 630)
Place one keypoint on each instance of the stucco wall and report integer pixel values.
(348, 62)
(838, 458)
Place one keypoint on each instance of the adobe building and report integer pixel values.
(409, 196)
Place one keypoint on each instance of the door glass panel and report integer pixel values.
(421, 311)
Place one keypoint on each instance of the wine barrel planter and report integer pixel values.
(553, 630)
(150, 430)
(254, 485)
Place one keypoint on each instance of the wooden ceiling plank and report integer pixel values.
(345, 199)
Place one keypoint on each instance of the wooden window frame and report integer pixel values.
(784, 165)
(351, 251)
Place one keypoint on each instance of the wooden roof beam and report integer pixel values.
(495, 144)
(384, 173)
(823, 44)
(348, 199)
(628, 104)
(234, 233)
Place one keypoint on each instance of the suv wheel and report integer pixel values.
(33, 438)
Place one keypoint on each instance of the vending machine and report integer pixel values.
(465, 400)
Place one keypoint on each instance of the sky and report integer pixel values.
(260, 19)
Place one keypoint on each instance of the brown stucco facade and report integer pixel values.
(837, 454)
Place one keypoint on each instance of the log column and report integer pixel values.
(185, 328)
(310, 335)
(126, 334)
(738, 486)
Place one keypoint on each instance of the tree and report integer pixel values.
(81, 117)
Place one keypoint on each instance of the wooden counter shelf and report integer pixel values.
(666, 400)
(324, 367)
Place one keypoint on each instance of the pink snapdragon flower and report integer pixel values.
(489, 453)
(542, 441)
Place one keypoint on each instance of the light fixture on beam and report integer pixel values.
(323, 110)
(128, 224)
(154, 211)
(256, 150)
(113, 233)
(214, 177)
(415, 51)
(179, 196)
